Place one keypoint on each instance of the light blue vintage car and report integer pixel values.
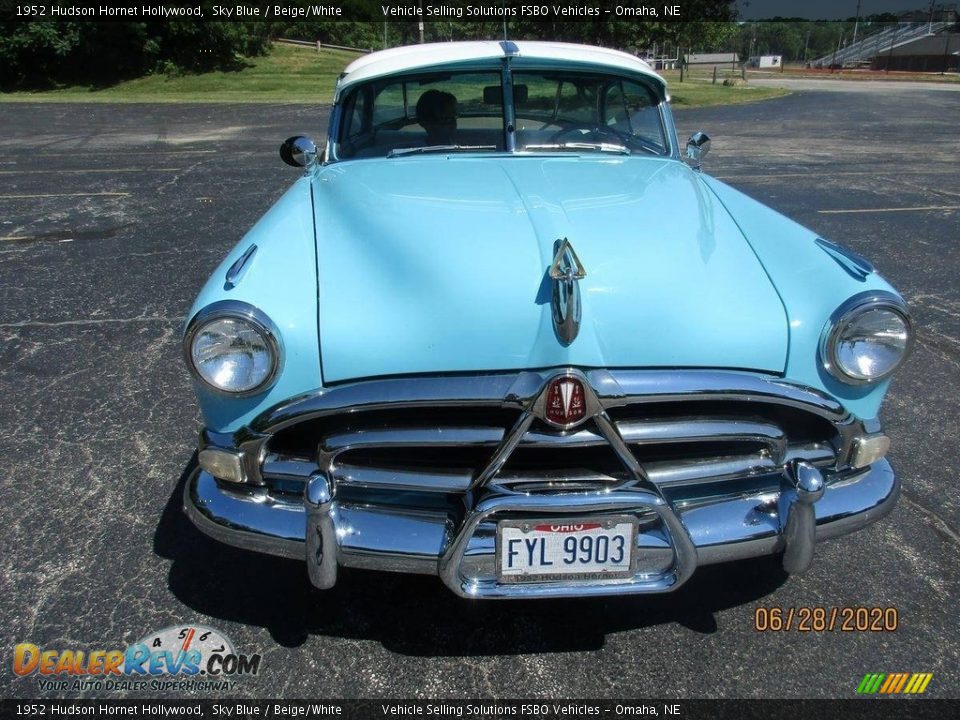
(502, 332)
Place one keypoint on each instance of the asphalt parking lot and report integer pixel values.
(111, 218)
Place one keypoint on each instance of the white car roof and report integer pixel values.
(415, 57)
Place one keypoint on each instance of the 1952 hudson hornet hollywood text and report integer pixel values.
(503, 330)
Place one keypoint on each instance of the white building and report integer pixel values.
(765, 61)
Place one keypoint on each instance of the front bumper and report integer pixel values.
(674, 537)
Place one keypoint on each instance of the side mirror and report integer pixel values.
(298, 151)
(697, 147)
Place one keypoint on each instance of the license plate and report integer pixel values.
(580, 549)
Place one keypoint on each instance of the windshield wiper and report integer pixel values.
(397, 152)
(602, 147)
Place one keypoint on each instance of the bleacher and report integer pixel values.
(870, 46)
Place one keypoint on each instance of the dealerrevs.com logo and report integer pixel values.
(177, 658)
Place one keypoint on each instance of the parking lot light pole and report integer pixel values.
(856, 25)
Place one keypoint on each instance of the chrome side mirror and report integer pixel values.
(697, 147)
(298, 151)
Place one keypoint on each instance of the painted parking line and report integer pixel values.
(127, 153)
(98, 170)
(883, 210)
(55, 195)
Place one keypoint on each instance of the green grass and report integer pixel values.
(293, 74)
(288, 74)
(700, 92)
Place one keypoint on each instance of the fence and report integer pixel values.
(320, 45)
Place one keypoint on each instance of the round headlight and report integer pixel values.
(233, 348)
(868, 339)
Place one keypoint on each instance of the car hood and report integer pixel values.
(439, 264)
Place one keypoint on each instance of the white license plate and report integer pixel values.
(580, 549)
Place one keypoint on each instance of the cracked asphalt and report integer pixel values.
(111, 218)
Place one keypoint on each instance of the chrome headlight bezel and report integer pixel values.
(252, 317)
(843, 316)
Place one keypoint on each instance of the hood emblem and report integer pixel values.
(566, 402)
(565, 272)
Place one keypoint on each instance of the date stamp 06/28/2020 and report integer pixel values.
(821, 618)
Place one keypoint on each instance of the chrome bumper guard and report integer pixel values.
(674, 539)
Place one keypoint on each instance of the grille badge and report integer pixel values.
(566, 403)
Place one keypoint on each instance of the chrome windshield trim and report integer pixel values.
(598, 147)
(439, 149)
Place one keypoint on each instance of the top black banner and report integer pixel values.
(370, 11)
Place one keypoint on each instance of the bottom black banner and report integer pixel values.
(865, 709)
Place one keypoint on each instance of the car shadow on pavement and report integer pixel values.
(417, 615)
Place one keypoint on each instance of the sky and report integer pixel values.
(827, 9)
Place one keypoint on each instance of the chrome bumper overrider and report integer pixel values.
(674, 537)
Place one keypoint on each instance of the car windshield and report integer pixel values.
(576, 110)
(452, 112)
(464, 112)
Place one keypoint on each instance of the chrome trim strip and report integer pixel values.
(280, 468)
(515, 390)
(686, 472)
(699, 429)
(612, 436)
(412, 437)
(664, 474)
(655, 386)
(503, 452)
(238, 268)
(856, 266)
(396, 479)
(391, 393)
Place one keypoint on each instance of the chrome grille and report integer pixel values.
(679, 442)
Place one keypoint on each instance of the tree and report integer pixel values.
(45, 54)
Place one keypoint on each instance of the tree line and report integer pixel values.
(41, 55)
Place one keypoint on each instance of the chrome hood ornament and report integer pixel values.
(565, 271)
